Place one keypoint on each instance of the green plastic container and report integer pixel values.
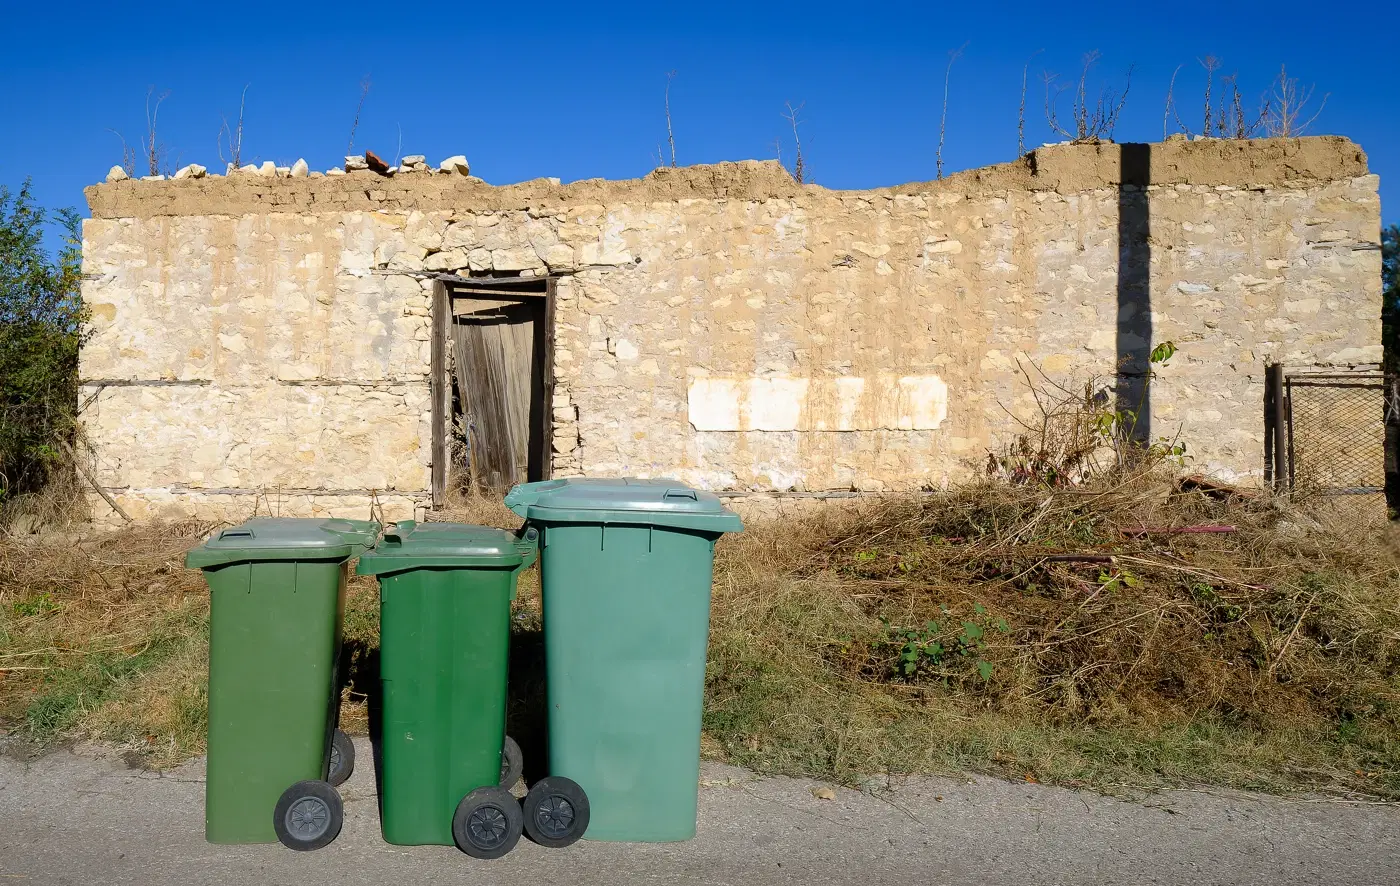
(276, 600)
(626, 570)
(444, 634)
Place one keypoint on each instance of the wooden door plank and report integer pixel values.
(498, 346)
(440, 391)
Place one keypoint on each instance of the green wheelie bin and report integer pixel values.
(445, 591)
(276, 601)
(626, 567)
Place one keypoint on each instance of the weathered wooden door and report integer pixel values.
(501, 386)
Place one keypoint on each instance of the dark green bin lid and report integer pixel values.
(285, 538)
(623, 500)
(411, 545)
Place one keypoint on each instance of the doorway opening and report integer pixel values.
(498, 337)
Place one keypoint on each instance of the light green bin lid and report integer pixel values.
(625, 500)
(285, 538)
(411, 545)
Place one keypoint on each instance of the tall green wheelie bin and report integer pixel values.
(626, 567)
(276, 601)
(445, 592)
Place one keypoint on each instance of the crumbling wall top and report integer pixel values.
(1065, 168)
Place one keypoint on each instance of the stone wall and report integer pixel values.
(266, 339)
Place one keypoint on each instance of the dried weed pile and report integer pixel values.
(1129, 634)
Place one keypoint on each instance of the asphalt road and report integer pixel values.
(82, 816)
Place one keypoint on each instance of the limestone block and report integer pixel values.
(515, 260)
(460, 234)
(447, 260)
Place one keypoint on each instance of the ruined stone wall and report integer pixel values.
(266, 339)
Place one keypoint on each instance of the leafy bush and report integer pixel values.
(42, 324)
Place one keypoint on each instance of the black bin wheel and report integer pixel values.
(487, 823)
(342, 759)
(512, 763)
(556, 812)
(308, 816)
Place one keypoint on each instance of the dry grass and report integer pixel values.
(902, 635)
(107, 637)
(941, 634)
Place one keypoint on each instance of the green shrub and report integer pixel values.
(42, 323)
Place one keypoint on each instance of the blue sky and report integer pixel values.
(575, 90)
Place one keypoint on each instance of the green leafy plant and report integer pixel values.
(42, 325)
(1222, 609)
(1118, 579)
(41, 604)
(927, 651)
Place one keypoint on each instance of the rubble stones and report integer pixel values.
(455, 164)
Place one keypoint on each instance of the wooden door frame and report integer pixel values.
(440, 375)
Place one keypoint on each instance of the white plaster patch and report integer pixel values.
(773, 404)
(884, 402)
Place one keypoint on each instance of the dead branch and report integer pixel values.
(1090, 123)
(670, 135)
(234, 137)
(1021, 111)
(799, 168)
(92, 481)
(154, 151)
(943, 122)
(128, 154)
(1211, 64)
(1287, 104)
(364, 91)
(1168, 110)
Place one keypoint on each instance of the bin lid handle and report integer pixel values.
(236, 533)
(395, 535)
(682, 493)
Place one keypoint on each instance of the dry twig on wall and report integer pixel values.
(943, 121)
(128, 154)
(1091, 122)
(1021, 111)
(232, 137)
(364, 92)
(1211, 64)
(155, 151)
(670, 134)
(799, 168)
(1170, 109)
(1286, 107)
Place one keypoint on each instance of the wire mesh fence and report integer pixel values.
(1336, 442)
